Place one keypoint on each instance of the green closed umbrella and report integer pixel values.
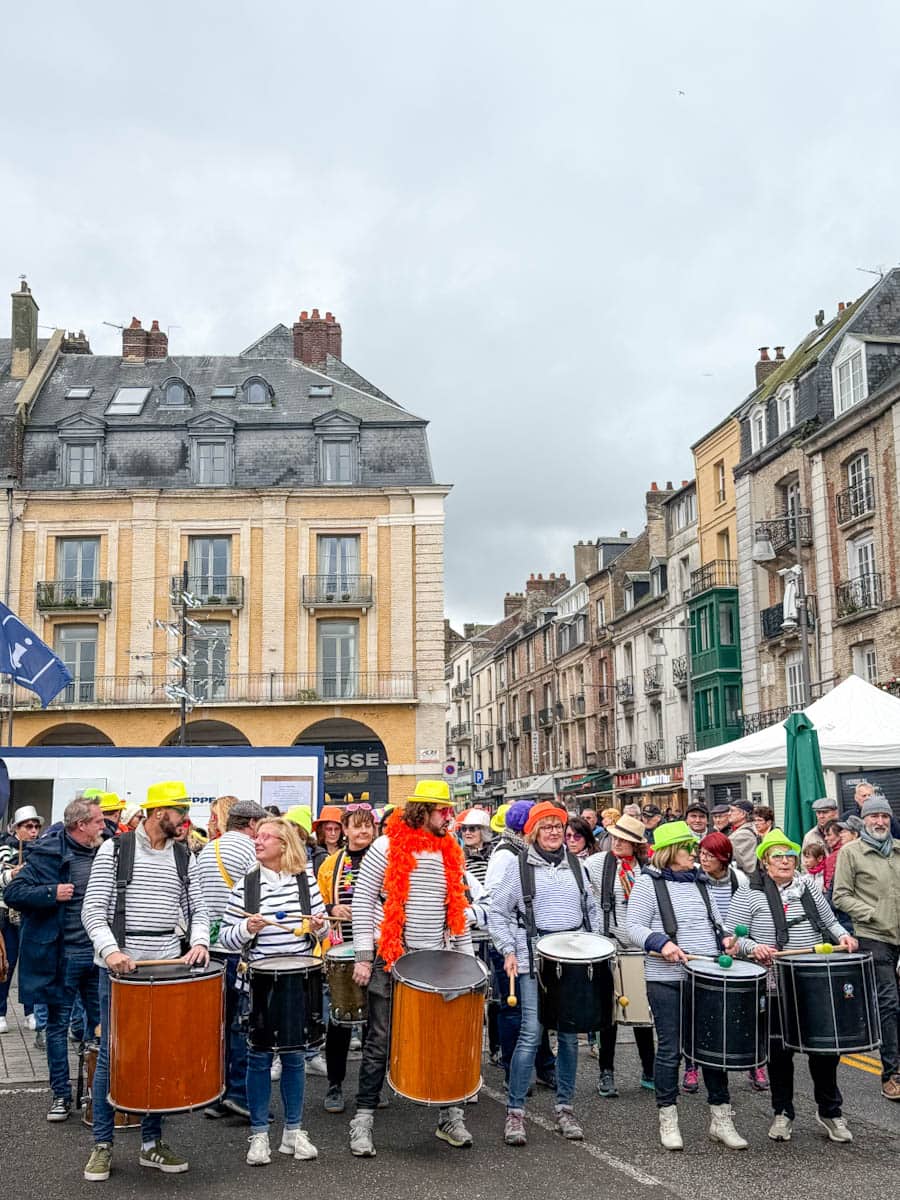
(805, 781)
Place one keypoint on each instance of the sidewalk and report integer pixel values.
(20, 1062)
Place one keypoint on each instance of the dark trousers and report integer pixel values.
(884, 955)
(11, 944)
(643, 1039)
(104, 1115)
(235, 1034)
(80, 980)
(665, 1004)
(822, 1067)
(373, 1067)
(337, 1047)
(509, 1022)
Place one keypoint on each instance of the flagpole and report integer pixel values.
(9, 528)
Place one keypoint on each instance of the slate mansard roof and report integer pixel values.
(275, 444)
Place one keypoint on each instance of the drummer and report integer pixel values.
(669, 916)
(337, 880)
(562, 901)
(163, 884)
(790, 913)
(613, 874)
(282, 868)
(410, 895)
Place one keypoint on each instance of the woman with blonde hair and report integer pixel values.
(284, 882)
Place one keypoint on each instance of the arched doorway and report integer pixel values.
(71, 734)
(355, 759)
(207, 733)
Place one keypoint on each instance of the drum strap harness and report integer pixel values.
(667, 912)
(123, 852)
(608, 890)
(251, 905)
(526, 877)
(779, 917)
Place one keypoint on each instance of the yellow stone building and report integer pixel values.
(302, 502)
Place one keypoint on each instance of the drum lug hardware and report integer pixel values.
(590, 971)
(559, 970)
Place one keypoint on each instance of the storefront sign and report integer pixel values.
(530, 785)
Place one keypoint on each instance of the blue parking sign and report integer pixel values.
(479, 777)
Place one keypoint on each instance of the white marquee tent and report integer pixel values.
(858, 727)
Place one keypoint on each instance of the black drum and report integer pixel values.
(828, 1003)
(286, 1010)
(575, 981)
(725, 1015)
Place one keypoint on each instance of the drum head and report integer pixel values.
(737, 970)
(440, 971)
(286, 963)
(575, 946)
(343, 953)
(173, 972)
(821, 960)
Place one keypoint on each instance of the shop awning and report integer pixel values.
(594, 781)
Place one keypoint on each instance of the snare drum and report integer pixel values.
(575, 982)
(630, 983)
(348, 999)
(286, 1009)
(828, 1003)
(725, 1015)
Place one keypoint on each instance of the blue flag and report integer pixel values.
(30, 661)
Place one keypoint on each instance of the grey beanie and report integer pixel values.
(876, 806)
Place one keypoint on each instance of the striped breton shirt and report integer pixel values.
(278, 892)
(594, 866)
(751, 908)
(426, 908)
(557, 902)
(238, 856)
(477, 862)
(155, 900)
(644, 927)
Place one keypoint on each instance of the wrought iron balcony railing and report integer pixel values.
(680, 671)
(782, 531)
(94, 595)
(212, 591)
(527, 722)
(721, 572)
(859, 595)
(545, 716)
(683, 745)
(625, 689)
(772, 619)
(337, 591)
(653, 679)
(578, 705)
(856, 501)
(626, 757)
(461, 732)
(654, 752)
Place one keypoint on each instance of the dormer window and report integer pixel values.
(758, 427)
(849, 376)
(176, 393)
(337, 436)
(786, 402)
(257, 391)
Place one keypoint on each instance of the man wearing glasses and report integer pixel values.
(163, 887)
(25, 827)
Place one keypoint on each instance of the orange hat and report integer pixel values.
(330, 812)
(546, 808)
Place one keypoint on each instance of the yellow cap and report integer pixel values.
(498, 820)
(301, 816)
(92, 793)
(109, 802)
(430, 791)
(167, 795)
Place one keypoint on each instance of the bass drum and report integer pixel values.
(575, 981)
(828, 1003)
(632, 1005)
(437, 1018)
(725, 1015)
(286, 1003)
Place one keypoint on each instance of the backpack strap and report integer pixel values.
(303, 892)
(814, 917)
(123, 854)
(526, 879)
(336, 878)
(666, 911)
(578, 871)
(608, 890)
(713, 920)
(776, 908)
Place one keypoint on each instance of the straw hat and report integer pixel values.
(630, 829)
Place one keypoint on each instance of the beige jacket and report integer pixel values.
(744, 842)
(867, 888)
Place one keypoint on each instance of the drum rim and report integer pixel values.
(342, 953)
(712, 970)
(210, 971)
(459, 990)
(576, 961)
(312, 963)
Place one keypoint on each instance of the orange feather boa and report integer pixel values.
(405, 844)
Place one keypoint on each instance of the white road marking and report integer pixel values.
(23, 1091)
(617, 1164)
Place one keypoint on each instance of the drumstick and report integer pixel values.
(308, 917)
(512, 999)
(820, 948)
(724, 960)
(296, 930)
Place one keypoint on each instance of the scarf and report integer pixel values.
(553, 857)
(626, 876)
(404, 844)
(885, 846)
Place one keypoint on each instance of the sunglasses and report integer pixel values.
(181, 810)
(362, 806)
(470, 828)
(573, 834)
(29, 825)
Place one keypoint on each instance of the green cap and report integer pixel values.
(673, 833)
(775, 837)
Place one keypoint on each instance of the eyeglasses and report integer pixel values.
(782, 855)
(552, 827)
(362, 806)
(181, 810)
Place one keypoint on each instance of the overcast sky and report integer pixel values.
(558, 232)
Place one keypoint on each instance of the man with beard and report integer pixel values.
(409, 895)
(56, 962)
(867, 889)
(161, 896)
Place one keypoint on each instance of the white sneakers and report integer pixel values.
(296, 1142)
(31, 1021)
(4, 1025)
(836, 1128)
(316, 1065)
(275, 1069)
(721, 1127)
(780, 1129)
(259, 1155)
(669, 1133)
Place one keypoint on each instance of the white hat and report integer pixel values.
(26, 813)
(474, 816)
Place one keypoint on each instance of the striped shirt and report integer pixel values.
(278, 892)
(751, 908)
(644, 927)
(426, 908)
(595, 866)
(557, 902)
(154, 900)
(509, 846)
(238, 856)
(477, 862)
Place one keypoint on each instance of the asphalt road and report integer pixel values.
(621, 1153)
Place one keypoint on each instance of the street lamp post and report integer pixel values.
(763, 553)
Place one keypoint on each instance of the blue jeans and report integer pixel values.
(259, 1088)
(530, 1033)
(509, 1021)
(235, 1037)
(104, 1114)
(665, 1004)
(79, 981)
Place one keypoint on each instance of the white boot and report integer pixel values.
(721, 1127)
(669, 1133)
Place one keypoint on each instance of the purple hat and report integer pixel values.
(517, 815)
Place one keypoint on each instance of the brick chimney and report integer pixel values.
(157, 342)
(316, 337)
(766, 365)
(134, 342)
(76, 343)
(587, 560)
(513, 602)
(24, 332)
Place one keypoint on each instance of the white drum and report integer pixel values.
(631, 1004)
